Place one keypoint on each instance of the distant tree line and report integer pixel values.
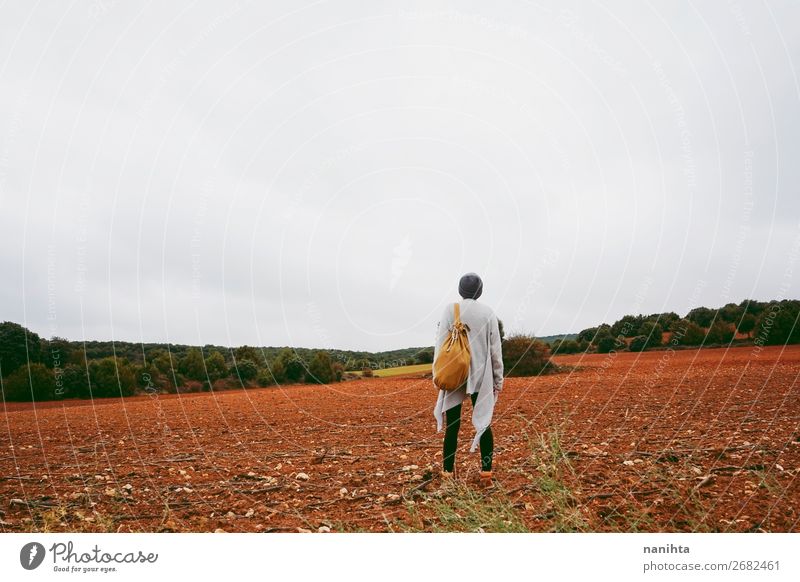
(749, 322)
(32, 368)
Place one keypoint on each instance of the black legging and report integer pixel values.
(453, 420)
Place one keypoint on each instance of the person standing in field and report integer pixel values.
(484, 383)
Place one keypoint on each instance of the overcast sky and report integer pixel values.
(321, 173)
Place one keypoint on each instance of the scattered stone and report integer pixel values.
(706, 480)
(302, 477)
(250, 513)
(324, 529)
(628, 463)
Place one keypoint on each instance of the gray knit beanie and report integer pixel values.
(470, 286)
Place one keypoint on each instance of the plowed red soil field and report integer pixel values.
(704, 440)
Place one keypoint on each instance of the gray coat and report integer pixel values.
(485, 368)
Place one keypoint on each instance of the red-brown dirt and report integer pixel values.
(691, 440)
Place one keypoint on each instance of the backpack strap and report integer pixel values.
(456, 313)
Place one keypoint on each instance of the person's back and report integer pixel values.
(485, 375)
(481, 321)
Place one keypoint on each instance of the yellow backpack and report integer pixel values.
(451, 368)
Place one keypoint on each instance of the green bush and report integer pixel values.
(778, 325)
(111, 377)
(338, 371)
(638, 343)
(719, 333)
(320, 370)
(606, 344)
(295, 369)
(566, 346)
(702, 316)
(166, 362)
(747, 324)
(18, 346)
(216, 368)
(75, 381)
(687, 333)
(193, 366)
(524, 355)
(33, 382)
(652, 333)
(265, 377)
(245, 370)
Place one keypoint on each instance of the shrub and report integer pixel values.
(719, 333)
(778, 325)
(216, 368)
(33, 382)
(75, 381)
(652, 333)
(367, 372)
(687, 333)
(730, 313)
(605, 344)
(245, 370)
(747, 324)
(627, 326)
(702, 316)
(165, 361)
(249, 353)
(524, 355)
(111, 377)
(295, 369)
(265, 377)
(18, 346)
(338, 371)
(149, 378)
(638, 343)
(56, 352)
(278, 370)
(320, 370)
(566, 346)
(192, 365)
